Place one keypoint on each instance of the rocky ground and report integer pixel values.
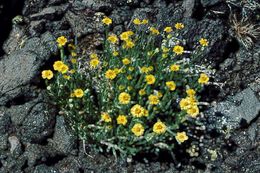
(33, 138)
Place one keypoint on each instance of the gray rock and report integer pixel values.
(97, 5)
(64, 140)
(50, 13)
(188, 5)
(15, 146)
(22, 66)
(35, 154)
(69, 164)
(3, 143)
(244, 106)
(37, 27)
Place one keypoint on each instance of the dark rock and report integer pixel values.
(207, 3)
(3, 143)
(120, 15)
(33, 6)
(35, 154)
(64, 140)
(37, 27)
(69, 164)
(97, 5)
(20, 68)
(57, 2)
(5, 121)
(44, 169)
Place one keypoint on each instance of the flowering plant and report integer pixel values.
(133, 97)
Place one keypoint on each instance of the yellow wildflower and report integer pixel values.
(117, 70)
(145, 21)
(62, 41)
(129, 77)
(175, 67)
(107, 21)
(126, 61)
(137, 21)
(190, 92)
(94, 63)
(167, 29)
(57, 65)
(128, 44)
(150, 79)
(66, 77)
(106, 117)
(73, 54)
(93, 56)
(137, 111)
(179, 25)
(171, 85)
(185, 103)
(142, 92)
(131, 68)
(121, 87)
(73, 60)
(110, 74)
(204, 42)
(164, 55)
(204, 79)
(124, 98)
(112, 38)
(129, 88)
(115, 53)
(47, 74)
(193, 111)
(138, 129)
(146, 113)
(154, 31)
(78, 93)
(144, 70)
(125, 35)
(64, 68)
(181, 137)
(178, 50)
(159, 127)
(153, 99)
(121, 120)
(165, 49)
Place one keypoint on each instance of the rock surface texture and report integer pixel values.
(34, 139)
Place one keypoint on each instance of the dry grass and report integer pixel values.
(246, 32)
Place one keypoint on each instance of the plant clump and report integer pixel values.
(135, 95)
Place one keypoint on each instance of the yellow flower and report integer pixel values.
(179, 25)
(165, 49)
(150, 79)
(57, 65)
(66, 77)
(107, 21)
(106, 117)
(94, 63)
(112, 39)
(159, 94)
(142, 92)
(204, 79)
(47, 74)
(154, 31)
(178, 50)
(145, 21)
(93, 56)
(117, 70)
(128, 44)
(144, 70)
(78, 93)
(159, 127)
(125, 35)
(204, 42)
(181, 137)
(73, 60)
(121, 120)
(168, 29)
(175, 67)
(150, 68)
(124, 98)
(115, 53)
(62, 41)
(72, 71)
(193, 111)
(121, 87)
(164, 55)
(153, 99)
(138, 129)
(126, 61)
(185, 103)
(73, 54)
(137, 21)
(190, 92)
(131, 68)
(129, 88)
(110, 74)
(71, 46)
(64, 68)
(129, 77)
(137, 111)
(146, 113)
(171, 85)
